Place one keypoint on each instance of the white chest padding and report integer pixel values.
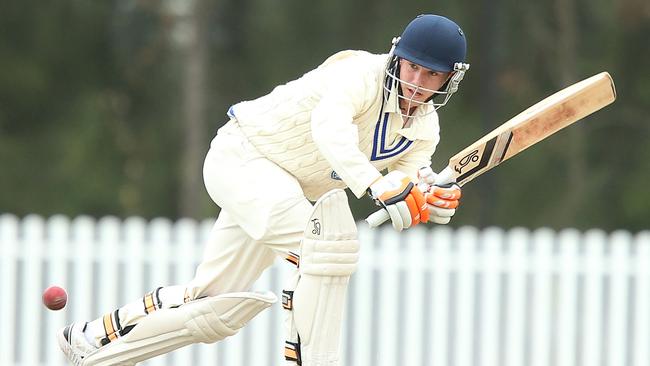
(328, 256)
(205, 320)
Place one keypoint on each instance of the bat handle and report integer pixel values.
(379, 217)
(445, 176)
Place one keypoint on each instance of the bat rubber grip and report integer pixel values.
(377, 218)
(445, 176)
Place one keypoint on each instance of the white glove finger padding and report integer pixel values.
(400, 215)
(439, 220)
(440, 212)
(440, 215)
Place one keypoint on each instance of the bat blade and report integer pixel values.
(536, 123)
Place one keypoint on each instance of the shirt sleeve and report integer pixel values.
(347, 90)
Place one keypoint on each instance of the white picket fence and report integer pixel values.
(424, 297)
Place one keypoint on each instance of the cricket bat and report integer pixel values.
(536, 123)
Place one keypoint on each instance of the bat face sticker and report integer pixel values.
(472, 157)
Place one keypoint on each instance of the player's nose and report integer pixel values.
(418, 78)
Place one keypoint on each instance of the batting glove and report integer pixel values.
(402, 199)
(442, 199)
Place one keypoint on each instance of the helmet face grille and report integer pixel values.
(439, 98)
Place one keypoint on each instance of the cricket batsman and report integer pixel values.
(338, 126)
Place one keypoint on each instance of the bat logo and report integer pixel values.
(466, 160)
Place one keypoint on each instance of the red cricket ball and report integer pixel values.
(55, 298)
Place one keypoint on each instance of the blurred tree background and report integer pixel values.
(107, 108)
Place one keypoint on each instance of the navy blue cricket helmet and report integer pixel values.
(432, 41)
(436, 43)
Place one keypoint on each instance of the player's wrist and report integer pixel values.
(392, 187)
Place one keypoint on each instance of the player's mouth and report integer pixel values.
(414, 93)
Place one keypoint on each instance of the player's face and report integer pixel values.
(415, 78)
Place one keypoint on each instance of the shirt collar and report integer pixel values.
(422, 128)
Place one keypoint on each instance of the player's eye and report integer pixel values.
(413, 66)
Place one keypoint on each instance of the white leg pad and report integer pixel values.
(205, 320)
(328, 256)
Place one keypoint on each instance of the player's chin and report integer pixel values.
(422, 97)
(416, 99)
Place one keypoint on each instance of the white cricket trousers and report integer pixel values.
(263, 214)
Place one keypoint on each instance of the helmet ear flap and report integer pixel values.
(451, 85)
(457, 76)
